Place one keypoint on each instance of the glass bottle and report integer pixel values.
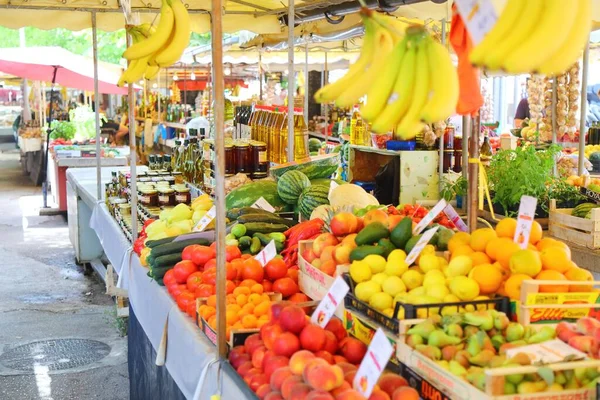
(267, 130)
(300, 136)
(276, 137)
(252, 123)
(485, 152)
(283, 140)
(354, 121)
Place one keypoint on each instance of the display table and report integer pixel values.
(165, 328)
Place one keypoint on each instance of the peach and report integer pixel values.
(299, 391)
(327, 254)
(323, 377)
(349, 394)
(341, 254)
(349, 377)
(299, 360)
(346, 366)
(279, 376)
(272, 364)
(317, 263)
(328, 267)
(378, 394)
(244, 368)
(393, 220)
(322, 241)
(253, 342)
(274, 396)
(405, 393)
(586, 344)
(325, 355)
(331, 342)
(267, 357)
(250, 374)
(257, 356)
(587, 325)
(269, 332)
(565, 331)
(292, 319)
(288, 383)
(353, 349)
(345, 386)
(376, 216)
(257, 381)
(237, 359)
(319, 395)
(275, 310)
(389, 382)
(309, 255)
(263, 390)
(286, 344)
(336, 326)
(313, 338)
(339, 359)
(343, 223)
(350, 240)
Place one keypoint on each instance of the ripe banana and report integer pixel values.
(506, 23)
(180, 38)
(443, 84)
(158, 39)
(380, 90)
(331, 91)
(151, 71)
(125, 78)
(570, 50)
(548, 36)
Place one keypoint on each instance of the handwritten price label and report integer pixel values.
(266, 254)
(434, 212)
(455, 218)
(263, 204)
(330, 302)
(204, 221)
(525, 220)
(378, 354)
(414, 253)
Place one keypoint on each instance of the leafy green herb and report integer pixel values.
(62, 130)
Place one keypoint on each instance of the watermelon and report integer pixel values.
(326, 181)
(291, 184)
(311, 198)
(314, 144)
(318, 167)
(246, 195)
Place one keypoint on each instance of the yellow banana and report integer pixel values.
(570, 50)
(494, 59)
(398, 102)
(180, 38)
(384, 45)
(157, 39)
(136, 37)
(510, 17)
(411, 123)
(443, 84)
(146, 29)
(395, 26)
(331, 91)
(151, 71)
(382, 86)
(548, 36)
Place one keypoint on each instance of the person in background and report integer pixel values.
(522, 112)
(120, 132)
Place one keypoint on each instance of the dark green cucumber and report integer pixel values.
(255, 246)
(264, 239)
(154, 243)
(235, 213)
(266, 218)
(260, 227)
(159, 272)
(176, 247)
(244, 242)
(166, 260)
(279, 246)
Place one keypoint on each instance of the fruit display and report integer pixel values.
(159, 47)
(549, 42)
(584, 335)
(408, 78)
(246, 195)
(584, 210)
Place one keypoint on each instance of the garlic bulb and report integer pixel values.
(546, 126)
(535, 94)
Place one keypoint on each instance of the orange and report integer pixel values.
(526, 262)
(257, 288)
(233, 307)
(249, 321)
(262, 308)
(556, 259)
(481, 237)
(228, 332)
(458, 239)
(461, 250)
(237, 325)
(261, 322)
(495, 246)
(248, 283)
(248, 308)
(579, 274)
(550, 275)
(536, 233)
(212, 300)
(488, 277)
(549, 242)
(241, 290)
(479, 258)
(506, 228)
(231, 317)
(508, 249)
(502, 290)
(512, 286)
(212, 322)
(505, 272)
(241, 299)
(265, 297)
(254, 298)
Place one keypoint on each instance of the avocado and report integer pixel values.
(411, 243)
(444, 237)
(387, 245)
(372, 233)
(402, 232)
(361, 252)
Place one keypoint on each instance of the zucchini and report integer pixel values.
(261, 227)
(176, 247)
(235, 213)
(166, 260)
(267, 218)
(154, 243)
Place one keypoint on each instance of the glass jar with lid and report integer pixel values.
(182, 194)
(166, 197)
(243, 159)
(148, 197)
(230, 167)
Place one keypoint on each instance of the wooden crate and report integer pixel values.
(459, 389)
(580, 231)
(486, 215)
(312, 281)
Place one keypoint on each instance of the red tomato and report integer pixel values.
(183, 269)
(193, 281)
(169, 278)
(205, 290)
(267, 285)
(253, 270)
(230, 286)
(176, 290)
(210, 264)
(202, 254)
(285, 286)
(231, 271)
(213, 246)
(209, 276)
(191, 309)
(187, 252)
(275, 269)
(232, 252)
(184, 298)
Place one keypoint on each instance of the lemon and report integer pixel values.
(433, 277)
(360, 271)
(464, 288)
(526, 262)
(429, 262)
(395, 267)
(401, 297)
(365, 290)
(412, 279)
(388, 312)
(379, 278)
(393, 285)
(443, 262)
(396, 256)
(439, 291)
(459, 266)
(376, 262)
(428, 249)
(450, 298)
(418, 291)
(380, 301)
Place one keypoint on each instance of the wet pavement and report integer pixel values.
(45, 298)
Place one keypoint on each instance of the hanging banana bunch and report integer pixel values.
(536, 36)
(152, 48)
(409, 80)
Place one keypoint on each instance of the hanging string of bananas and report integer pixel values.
(409, 80)
(548, 40)
(155, 48)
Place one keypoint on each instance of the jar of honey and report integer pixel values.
(148, 197)
(166, 197)
(182, 195)
(229, 160)
(243, 159)
(259, 154)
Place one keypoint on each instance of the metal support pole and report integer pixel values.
(554, 98)
(325, 105)
(260, 74)
(97, 109)
(132, 154)
(473, 198)
(291, 82)
(219, 115)
(441, 141)
(158, 96)
(306, 83)
(584, 77)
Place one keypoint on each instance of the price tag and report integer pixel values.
(455, 218)
(330, 302)
(478, 15)
(434, 212)
(525, 220)
(378, 354)
(266, 254)
(263, 204)
(206, 219)
(414, 253)
(332, 187)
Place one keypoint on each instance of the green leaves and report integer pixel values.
(62, 129)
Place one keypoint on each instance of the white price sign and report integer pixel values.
(330, 302)
(455, 218)
(263, 204)
(414, 253)
(266, 254)
(525, 220)
(378, 354)
(206, 219)
(478, 15)
(434, 212)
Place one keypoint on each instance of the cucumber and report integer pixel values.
(176, 247)
(361, 252)
(264, 239)
(278, 236)
(266, 218)
(279, 246)
(235, 213)
(261, 227)
(154, 243)
(245, 242)
(159, 272)
(166, 260)
(255, 246)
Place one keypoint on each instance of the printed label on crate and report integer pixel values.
(478, 15)
(68, 153)
(361, 330)
(426, 390)
(263, 204)
(209, 332)
(427, 219)
(332, 187)
(455, 218)
(266, 254)
(553, 315)
(378, 354)
(414, 253)
(330, 302)
(455, 388)
(316, 274)
(525, 220)
(551, 351)
(311, 287)
(590, 194)
(206, 219)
